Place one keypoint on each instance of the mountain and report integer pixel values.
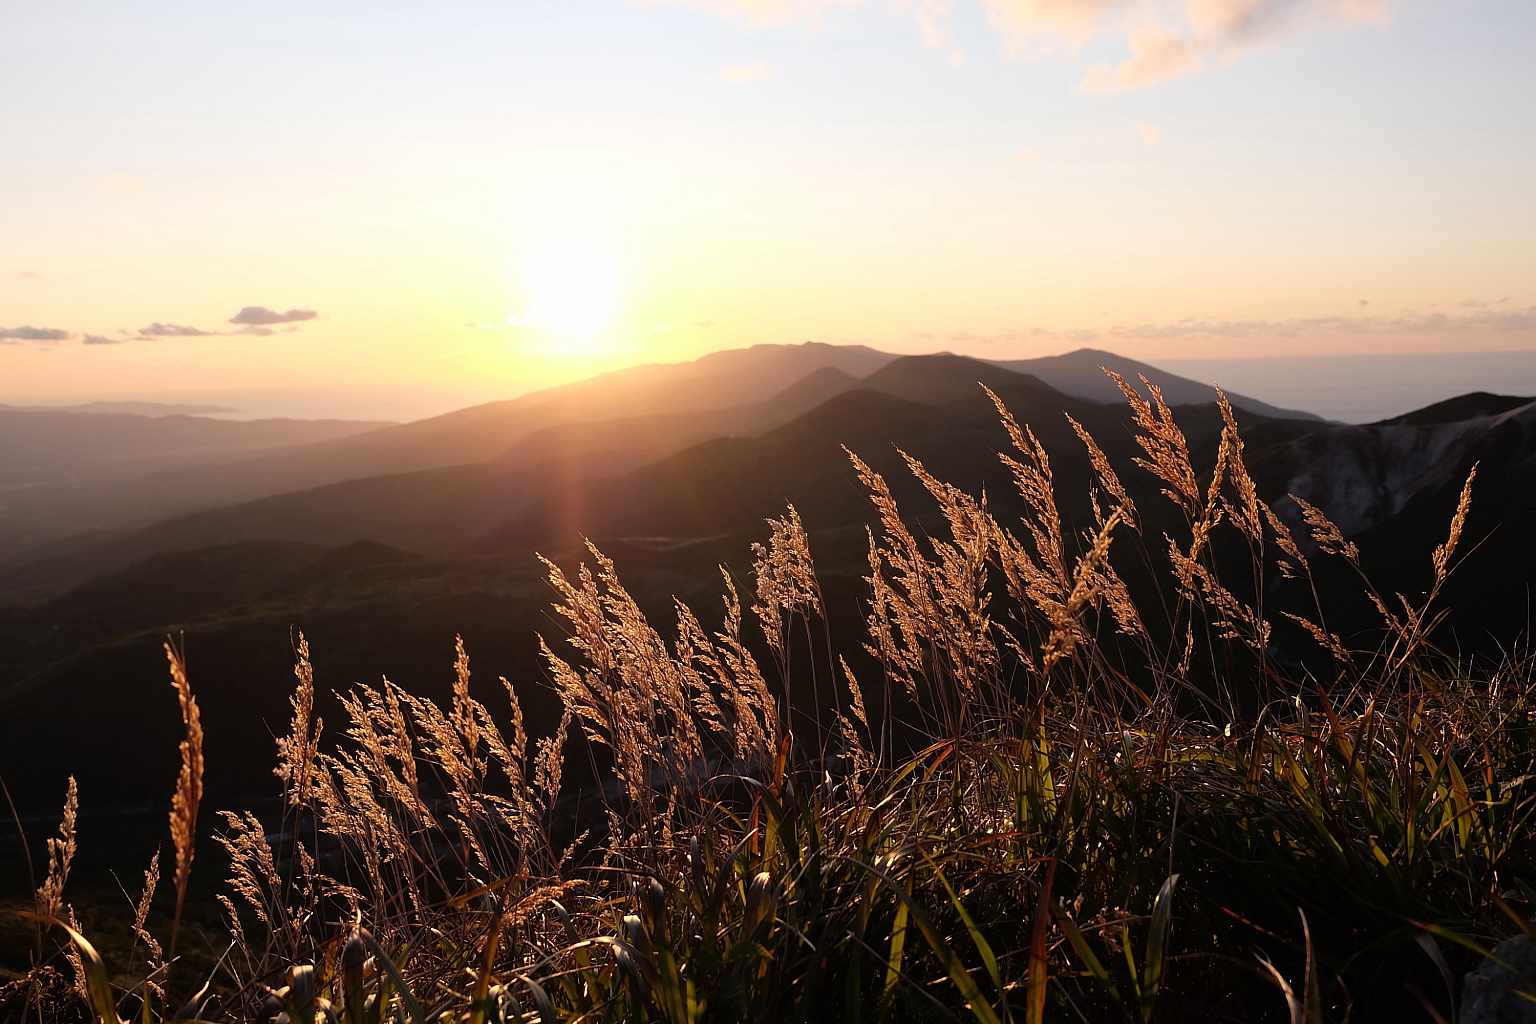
(427, 485)
(1364, 475)
(1079, 373)
(68, 447)
(1393, 488)
(1491, 594)
(113, 501)
(126, 408)
(1463, 407)
(61, 522)
(944, 377)
(65, 471)
(426, 510)
(719, 381)
(929, 406)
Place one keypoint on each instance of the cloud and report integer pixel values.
(1157, 55)
(262, 316)
(1218, 30)
(1241, 19)
(1070, 21)
(30, 275)
(159, 330)
(933, 25)
(1210, 31)
(1248, 21)
(755, 71)
(45, 334)
(1150, 134)
(1479, 321)
(1481, 326)
(101, 339)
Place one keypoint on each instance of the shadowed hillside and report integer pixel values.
(731, 392)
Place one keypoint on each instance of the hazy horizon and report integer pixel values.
(1348, 388)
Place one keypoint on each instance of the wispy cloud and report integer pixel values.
(262, 316)
(1161, 45)
(251, 320)
(1217, 31)
(30, 275)
(101, 339)
(12, 335)
(160, 330)
(1497, 325)
(1150, 134)
(1248, 21)
(1413, 322)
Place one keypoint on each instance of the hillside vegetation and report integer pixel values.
(1032, 790)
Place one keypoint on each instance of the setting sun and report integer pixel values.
(571, 293)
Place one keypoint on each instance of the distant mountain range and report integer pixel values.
(383, 541)
(63, 476)
(63, 471)
(126, 408)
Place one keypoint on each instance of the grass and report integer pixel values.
(1041, 795)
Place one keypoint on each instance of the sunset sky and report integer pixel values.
(426, 205)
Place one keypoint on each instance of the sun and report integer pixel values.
(571, 291)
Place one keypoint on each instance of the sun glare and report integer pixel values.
(571, 291)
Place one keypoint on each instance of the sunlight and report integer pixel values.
(572, 290)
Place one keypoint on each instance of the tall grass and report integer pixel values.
(1046, 798)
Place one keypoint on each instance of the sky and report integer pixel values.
(393, 209)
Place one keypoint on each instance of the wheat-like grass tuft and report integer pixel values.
(189, 784)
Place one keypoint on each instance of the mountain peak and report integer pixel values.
(943, 377)
(1080, 373)
(1472, 405)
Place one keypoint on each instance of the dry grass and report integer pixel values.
(1090, 829)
